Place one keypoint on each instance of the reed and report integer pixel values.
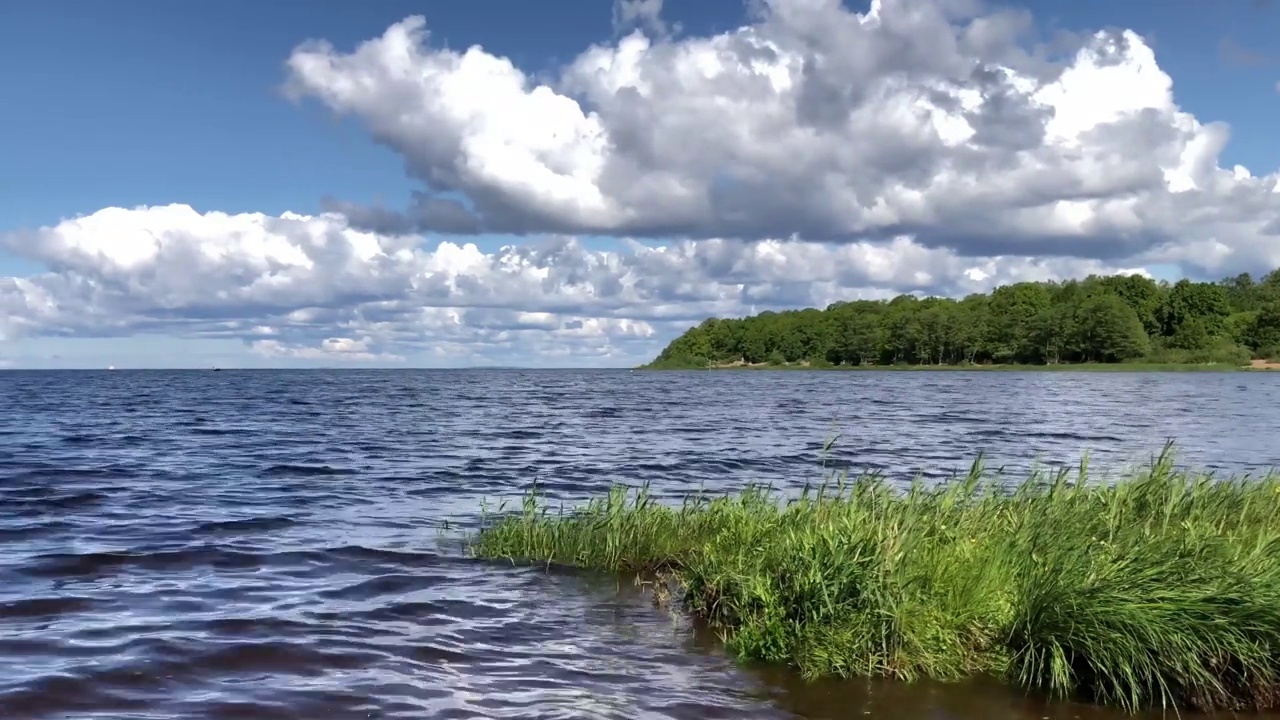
(1160, 589)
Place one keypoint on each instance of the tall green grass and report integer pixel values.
(1159, 589)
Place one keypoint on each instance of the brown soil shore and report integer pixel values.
(1265, 365)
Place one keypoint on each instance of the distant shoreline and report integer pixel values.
(1254, 366)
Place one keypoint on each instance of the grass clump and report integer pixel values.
(1159, 590)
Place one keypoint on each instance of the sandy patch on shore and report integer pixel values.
(1264, 365)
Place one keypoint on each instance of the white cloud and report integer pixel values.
(339, 349)
(915, 117)
(314, 288)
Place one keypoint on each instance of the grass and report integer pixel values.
(1161, 589)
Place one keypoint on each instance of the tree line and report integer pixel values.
(1100, 319)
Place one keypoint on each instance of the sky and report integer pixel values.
(574, 184)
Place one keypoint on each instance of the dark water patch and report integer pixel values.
(425, 611)
(242, 710)
(28, 647)
(1074, 437)
(257, 627)
(274, 656)
(980, 698)
(395, 584)
(79, 439)
(51, 503)
(45, 607)
(246, 525)
(69, 565)
(298, 470)
(220, 431)
(63, 473)
(91, 564)
(418, 488)
(390, 558)
(517, 434)
(61, 695)
(25, 532)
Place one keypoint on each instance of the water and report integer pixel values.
(274, 544)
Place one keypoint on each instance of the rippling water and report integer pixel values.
(269, 545)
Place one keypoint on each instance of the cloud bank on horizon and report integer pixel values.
(812, 154)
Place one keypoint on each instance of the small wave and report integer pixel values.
(284, 470)
(26, 532)
(80, 439)
(55, 503)
(215, 432)
(58, 473)
(518, 434)
(75, 565)
(392, 557)
(56, 696)
(70, 565)
(1071, 436)
(261, 627)
(279, 657)
(247, 525)
(94, 564)
(413, 610)
(393, 584)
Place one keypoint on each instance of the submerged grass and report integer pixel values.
(1159, 590)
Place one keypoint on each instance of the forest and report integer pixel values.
(1100, 319)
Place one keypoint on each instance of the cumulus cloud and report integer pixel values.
(316, 288)
(936, 119)
(339, 349)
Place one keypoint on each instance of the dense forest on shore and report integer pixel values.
(1100, 319)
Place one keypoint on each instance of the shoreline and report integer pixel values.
(1254, 366)
(1155, 590)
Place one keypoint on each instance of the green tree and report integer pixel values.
(1191, 334)
(1097, 319)
(1140, 293)
(1013, 312)
(1192, 301)
(1264, 336)
(1108, 330)
(1242, 292)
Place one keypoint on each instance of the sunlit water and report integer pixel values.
(284, 544)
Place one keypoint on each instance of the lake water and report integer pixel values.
(271, 544)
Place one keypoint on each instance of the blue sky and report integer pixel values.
(143, 102)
